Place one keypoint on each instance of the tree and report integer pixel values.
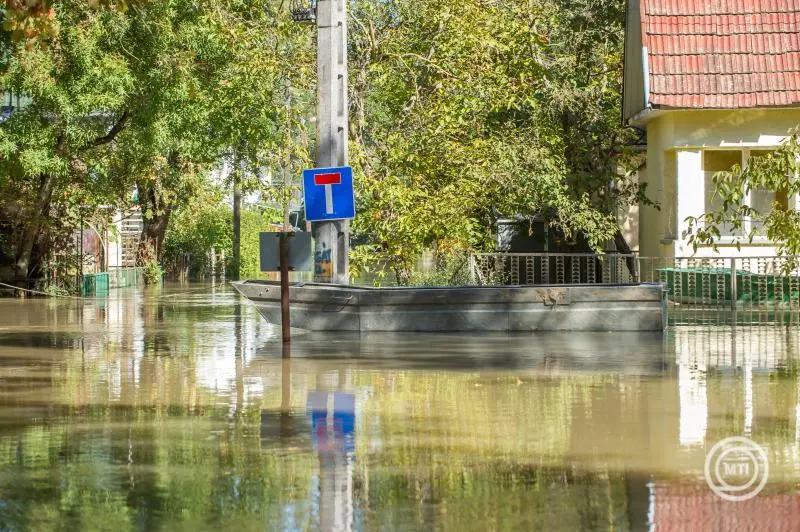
(462, 113)
(78, 100)
(585, 66)
(263, 97)
(467, 111)
(150, 97)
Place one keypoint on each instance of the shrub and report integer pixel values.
(152, 273)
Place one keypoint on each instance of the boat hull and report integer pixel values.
(322, 307)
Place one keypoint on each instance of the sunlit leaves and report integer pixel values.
(35, 23)
(150, 95)
(467, 111)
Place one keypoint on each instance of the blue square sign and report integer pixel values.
(329, 194)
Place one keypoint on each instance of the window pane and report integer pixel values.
(718, 161)
(782, 198)
(759, 153)
(761, 200)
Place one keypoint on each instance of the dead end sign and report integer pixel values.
(329, 194)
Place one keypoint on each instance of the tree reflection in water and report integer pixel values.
(177, 411)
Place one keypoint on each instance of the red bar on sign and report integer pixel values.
(328, 179)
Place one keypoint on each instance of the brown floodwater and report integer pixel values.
(174, 410)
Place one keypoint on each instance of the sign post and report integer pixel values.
(286, 331)
(293, 253)
(329, 199)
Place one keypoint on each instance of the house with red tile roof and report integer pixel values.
(711, 83)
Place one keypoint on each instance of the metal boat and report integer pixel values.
(596, 307)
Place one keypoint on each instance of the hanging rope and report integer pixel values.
(39, 292)
(79, 298)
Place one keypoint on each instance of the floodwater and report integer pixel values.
(175, 410)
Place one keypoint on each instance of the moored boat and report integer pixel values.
(597, 307)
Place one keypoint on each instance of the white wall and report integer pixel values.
(114, 243)
(690, 196)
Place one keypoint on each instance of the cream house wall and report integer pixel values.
(628, 221)
(654, 223)
(674, 172)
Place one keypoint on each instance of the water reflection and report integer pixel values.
(177, 410)
(333, 431)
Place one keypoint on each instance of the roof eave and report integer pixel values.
(643, 117)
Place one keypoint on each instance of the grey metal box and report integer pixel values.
(300, 259)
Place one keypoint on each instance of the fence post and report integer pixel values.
(472, 279)
(734, 290)
(614, 267)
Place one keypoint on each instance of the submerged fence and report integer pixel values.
(98, 284)
(124, 277)
(717, 290)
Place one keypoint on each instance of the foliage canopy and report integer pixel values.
(461, 113)
(467, 111)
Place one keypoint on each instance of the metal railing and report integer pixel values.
(552, 268)
(728, 290)
(701, 291)
(124, 277)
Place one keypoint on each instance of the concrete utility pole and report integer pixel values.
(332, 239)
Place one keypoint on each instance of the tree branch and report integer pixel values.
(113, 132)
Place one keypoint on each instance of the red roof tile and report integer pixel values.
(722, 54)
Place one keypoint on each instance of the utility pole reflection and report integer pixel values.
(333, 437)
(332, 434)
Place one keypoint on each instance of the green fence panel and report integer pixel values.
(751, 287)
(125, 277)
(94, 284)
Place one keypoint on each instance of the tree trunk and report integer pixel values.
(624, 248)
(31, 232)
(237, 227)
(154, 227)
(153, 232)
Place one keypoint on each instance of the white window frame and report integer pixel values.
(794, 201)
